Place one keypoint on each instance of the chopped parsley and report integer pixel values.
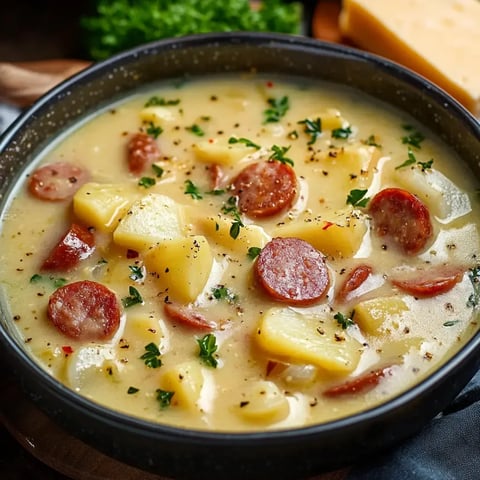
(157, 170)
(343, 321)
(195, 129)
(57, 282)
(474, 298)
(133, 298)
(230, 208)
(425, 165)
(161, 102)
(208, 346)
(312, 128)
(412, 160)
(279, 155)
(192, 190)
(371, 141)
(164, 397)
(278, 109)
(414, 137)
(245, 141)
(253, 252)
(137, 273)
(154, 130)
(450, 323)
(151, 357)
(341, 133)
(357, 198)
(146, 182)
(221, 292)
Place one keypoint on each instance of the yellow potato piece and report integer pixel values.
(186, 380)
(221, 152)
(142, 329)
(149, 220)
(331, 118)
(262, 401)
(102, 205)
(337, 235)
(182, 266)
(308, 338)
(217, 228)
(371, 314)
(158, 115)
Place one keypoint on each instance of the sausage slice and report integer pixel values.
(290, 270)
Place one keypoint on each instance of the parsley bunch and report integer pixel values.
(117, 25)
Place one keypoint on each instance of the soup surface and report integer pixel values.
(242, 253)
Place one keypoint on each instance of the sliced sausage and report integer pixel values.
(265, 188)
(85, 310)
(76, 245)
(354, 279)
(187, 316)
(430, 283)
(402, 218)
(142, 151)
(360, 384)
(57, 181)
(290, 270)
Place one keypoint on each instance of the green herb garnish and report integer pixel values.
(341, 133)
(230, 208)
(151, 357)
(35, 278)
(133, 299)
(312, 128)
(245, 141)
(253, 252)
(221, 292)
(195, 129)
(153, 130)
(157, 170)
(137, 273)
(343, 321)
(370, 141)
(414, 137)
(409, 161)
(192, 190)
(146, 182)
(160, 102)
(279, 155)
(279, 108)
(425, 165)
(357, 198)
(474, 298)
(208, 346)
(450, 323)
(164, 397)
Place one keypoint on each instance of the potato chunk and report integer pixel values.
(308, 338)
(186, 380)
(158, 115)
(262, 401)
(102, 205)
(338, 235)
(221, 152)
(370, 315)
(331, 119)
(149, 220)
(217, 228)
(182, 265)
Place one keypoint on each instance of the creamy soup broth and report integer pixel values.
(363, 307)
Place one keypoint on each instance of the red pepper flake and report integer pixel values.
(132, 253)
(327, 225)
(67, 349)
(211, 140)
(269, 84)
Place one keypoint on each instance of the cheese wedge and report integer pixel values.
(439, 39)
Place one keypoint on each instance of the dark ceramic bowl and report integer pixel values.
(183, 453)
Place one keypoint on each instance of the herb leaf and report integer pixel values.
(342, 133)
(474, 298)
(146, 182)
(230, 208)
(279, 108)
(151, 357)
(410, 160)
(157, 170)
(221, 292)
(133, 299)
(196, 129)
(279, 155)
(208, 346)
(160, 102)
(164, 397)
(137, 273)
(253, 252)
(414, 137)
(450, 323)
(192, 190)
(312, 128)
(245, 141)
(343, 321)
(357, 198)
(154, 130)
(426, 165)
(371, 141)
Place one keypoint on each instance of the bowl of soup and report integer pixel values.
(246, 255)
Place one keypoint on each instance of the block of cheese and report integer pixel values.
(439, 39)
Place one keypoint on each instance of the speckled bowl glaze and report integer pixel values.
(183, 453)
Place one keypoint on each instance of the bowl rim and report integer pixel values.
(272, 40)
